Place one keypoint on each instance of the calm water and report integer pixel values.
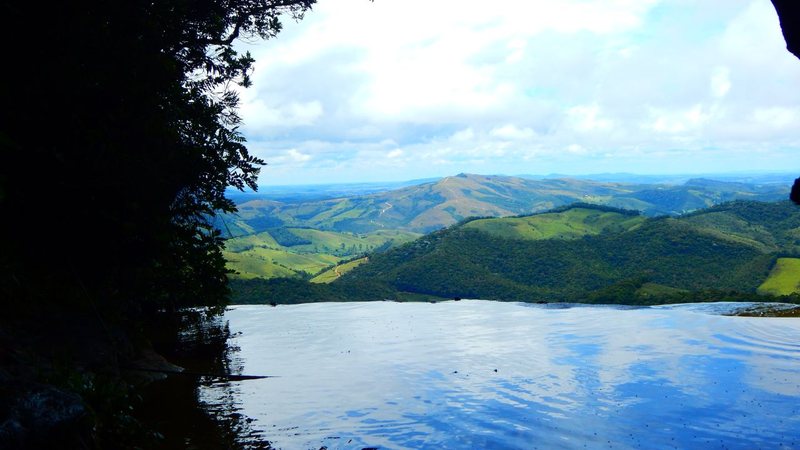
(479, 374)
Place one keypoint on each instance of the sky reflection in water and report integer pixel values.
(478, 374)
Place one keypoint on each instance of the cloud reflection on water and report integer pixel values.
(486, 374)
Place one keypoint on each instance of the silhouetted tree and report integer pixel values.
(118, 138)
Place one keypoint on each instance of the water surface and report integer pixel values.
(480, 374)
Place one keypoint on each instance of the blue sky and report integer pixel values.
(405, 89)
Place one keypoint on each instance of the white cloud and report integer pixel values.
(296, 156)
(466, 134)
(720, 82)
(777, 117)
(678, 121)
(396, 153)
(511, 132)
(522, 87)
(588, 118)
(259, 115)
(576, 149)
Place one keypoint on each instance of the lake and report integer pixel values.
(481, 374)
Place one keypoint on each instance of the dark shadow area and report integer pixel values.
(789, 16)
(118, 140)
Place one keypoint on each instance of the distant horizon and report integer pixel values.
(790, 174)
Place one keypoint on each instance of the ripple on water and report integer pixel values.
(476, 374)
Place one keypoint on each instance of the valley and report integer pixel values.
(575, 246)
(279, 234)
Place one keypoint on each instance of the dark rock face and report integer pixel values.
(36, 416)
(789, 15)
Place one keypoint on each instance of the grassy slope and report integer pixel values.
(272, 263)
(332, 241)
(259, 255)
(431, 206)
(784, 279)
(685, 254)
(570, 224)
(335, 272)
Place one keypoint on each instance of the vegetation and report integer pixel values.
(328, 231)
(334, 273)
(565, 223)
(312, 251)
(784, 279)
(264, 262)
(288, 291)
(662, 259)
(286, 238)
(118, 139)
(434, 205)
(580, 253)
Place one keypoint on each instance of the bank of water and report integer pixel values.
(480, 374)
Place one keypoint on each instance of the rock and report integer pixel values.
(789, 16)
(149, 367)
(35, 415)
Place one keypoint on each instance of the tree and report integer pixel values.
(118, 138)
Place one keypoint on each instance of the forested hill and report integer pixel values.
(433, 205)
(595, 254)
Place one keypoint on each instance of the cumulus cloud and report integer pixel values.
(261, 118)
(677, 121)
(720, 82)
(396, 153)
(511, 132)
(588, 118)
(408, 89)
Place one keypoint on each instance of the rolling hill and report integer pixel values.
(281, 235)
(303, 252)
(434, 205)
(571, 222)
(731, 247)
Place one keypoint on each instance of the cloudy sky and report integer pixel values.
(405, 89)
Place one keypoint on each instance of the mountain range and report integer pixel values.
(432, 205)
(580, 253)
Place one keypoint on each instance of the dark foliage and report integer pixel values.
(285, 237)
(289, 291)
(118, 138)
(138, 148)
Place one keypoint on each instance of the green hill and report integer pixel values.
(302, 252)
(784, 279)
(434, 205)
(493, 259)
(768, 227)
(337, 271)
(566, 223)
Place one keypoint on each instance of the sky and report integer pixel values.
(392, 90)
